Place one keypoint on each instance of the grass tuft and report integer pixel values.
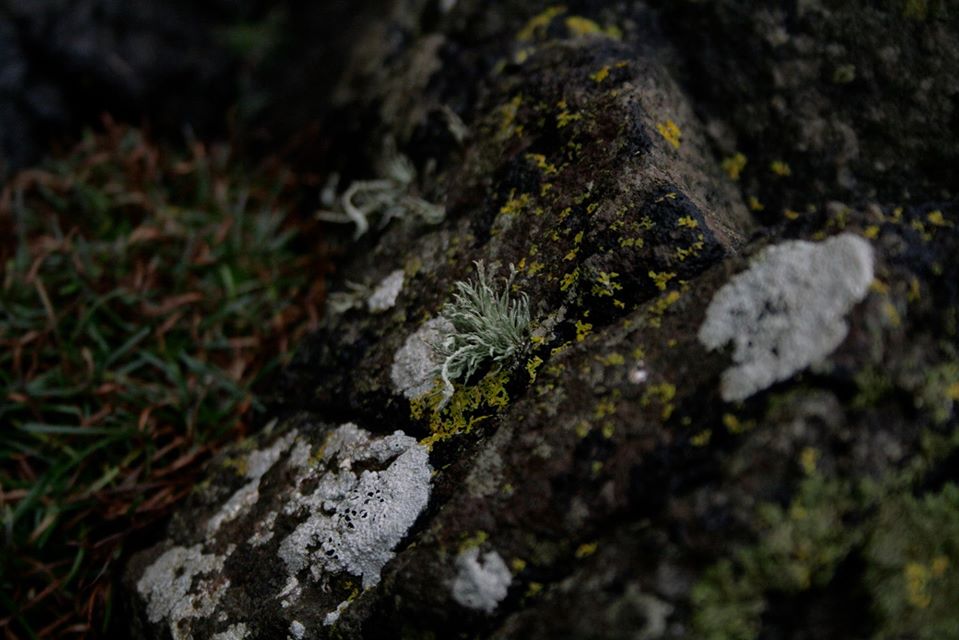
(144, 296)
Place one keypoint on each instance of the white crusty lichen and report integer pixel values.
(384, 295)
(297, 630)
(364, 495)
(257, 464)
(415, 364)
(787, 311)
(174, 590)
(480, 584)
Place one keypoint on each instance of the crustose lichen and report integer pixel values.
(487, 324)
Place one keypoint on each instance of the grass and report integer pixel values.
(144, 297)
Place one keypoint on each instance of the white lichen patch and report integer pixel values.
(480, 584)
(297, 630)
(263, 530)
(237, 631)
(174, 590)
(257, 464)
(334, 615)
(366, 493)
(384, 295)
(415, 363)
(787, 311)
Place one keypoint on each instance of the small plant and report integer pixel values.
(487, 325)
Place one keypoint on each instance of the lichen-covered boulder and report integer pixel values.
(716, 425)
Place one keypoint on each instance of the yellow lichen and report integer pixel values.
(532, 365)
(586, 549)
(701, 439)
(688, 222)
(734, 165)
(661, 280)
(583, 329)
(600, 75)
(515, 205)
(670, 132)
(540, 161)
(461, 413)
(539, 23)
(780, 168)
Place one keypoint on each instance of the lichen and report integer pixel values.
(355, 518)
(384, 295)
(480, 584)
(415, 363)
(787, 311)
(174, 591)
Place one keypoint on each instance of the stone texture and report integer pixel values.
(624, 492)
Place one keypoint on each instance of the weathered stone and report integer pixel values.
(621, 476)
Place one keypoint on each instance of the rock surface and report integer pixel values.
(621, 476)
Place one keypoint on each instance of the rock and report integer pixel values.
(624, 475)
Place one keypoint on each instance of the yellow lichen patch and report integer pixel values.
(734, 165)
(780, 168)
(663, 393)
(732, 423)
(670, 132)
(952, 392)
(461, 413)
(612, 360)
(684, 252)
(608, 430)
(515, 205)
(659, 307)
(936, 219)
(809, 460)
(565, 116)
(701, 439)
(600, 75)
(661, 279)
(583, 329)
(508, 112)
(539, 23)
(517, 565)
(587, 549)
(569, 279)
(791, 214)
(473, 541)
(606, 285)
(580, 26)
(540, 161)
(535, 267)
(532, 366)
(688, 222)
(871, 232)
(534, 589)
(755, 204)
